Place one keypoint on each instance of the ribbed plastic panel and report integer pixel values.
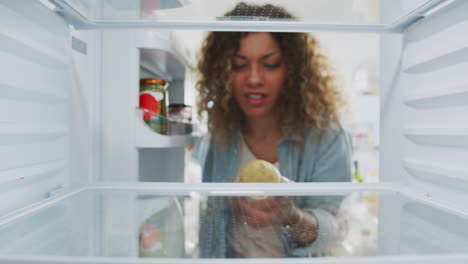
(34, 103)
(433, 91)
(427, 230)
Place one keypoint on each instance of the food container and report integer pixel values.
(162, 233)
(153, 103)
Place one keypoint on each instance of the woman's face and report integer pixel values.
(259, 72)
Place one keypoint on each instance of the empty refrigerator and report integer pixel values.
(70, 174)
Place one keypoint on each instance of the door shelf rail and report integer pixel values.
(444, 136)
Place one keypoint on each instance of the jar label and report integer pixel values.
(150, 102)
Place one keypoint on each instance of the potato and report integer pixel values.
(259, 171)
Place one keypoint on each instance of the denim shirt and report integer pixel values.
(327, 160)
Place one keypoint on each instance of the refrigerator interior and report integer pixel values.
(71, 174)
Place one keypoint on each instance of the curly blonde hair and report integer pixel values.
(310, 98)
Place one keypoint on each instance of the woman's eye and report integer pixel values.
(272, 65)
(238, 67)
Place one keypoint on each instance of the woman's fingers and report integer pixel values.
(267, 204)
(255, 217)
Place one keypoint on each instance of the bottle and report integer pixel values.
(179, 119)
(153, 103)
(357, 176)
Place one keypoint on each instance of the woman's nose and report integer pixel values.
(255, 77)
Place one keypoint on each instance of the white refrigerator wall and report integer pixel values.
(120, 66)
(34, 104)
(424, 146)
(49, 111)
(434, 89)
(85, 107)
(424, 106)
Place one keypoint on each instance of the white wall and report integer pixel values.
(86, 122)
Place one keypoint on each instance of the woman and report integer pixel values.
(269, 96)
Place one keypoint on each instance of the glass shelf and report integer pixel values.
(164, 221)
(365, 15)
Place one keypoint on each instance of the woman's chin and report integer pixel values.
(257, 114)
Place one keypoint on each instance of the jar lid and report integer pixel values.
(153, 81)
(178, 105)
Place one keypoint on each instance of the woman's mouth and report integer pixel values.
(255, 98)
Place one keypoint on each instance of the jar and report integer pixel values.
(153, 103)
(179, 119)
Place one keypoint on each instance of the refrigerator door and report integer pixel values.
(424, 108)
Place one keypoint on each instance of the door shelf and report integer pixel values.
(145, 137)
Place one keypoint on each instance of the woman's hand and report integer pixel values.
(264, 212)
(276, 210)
